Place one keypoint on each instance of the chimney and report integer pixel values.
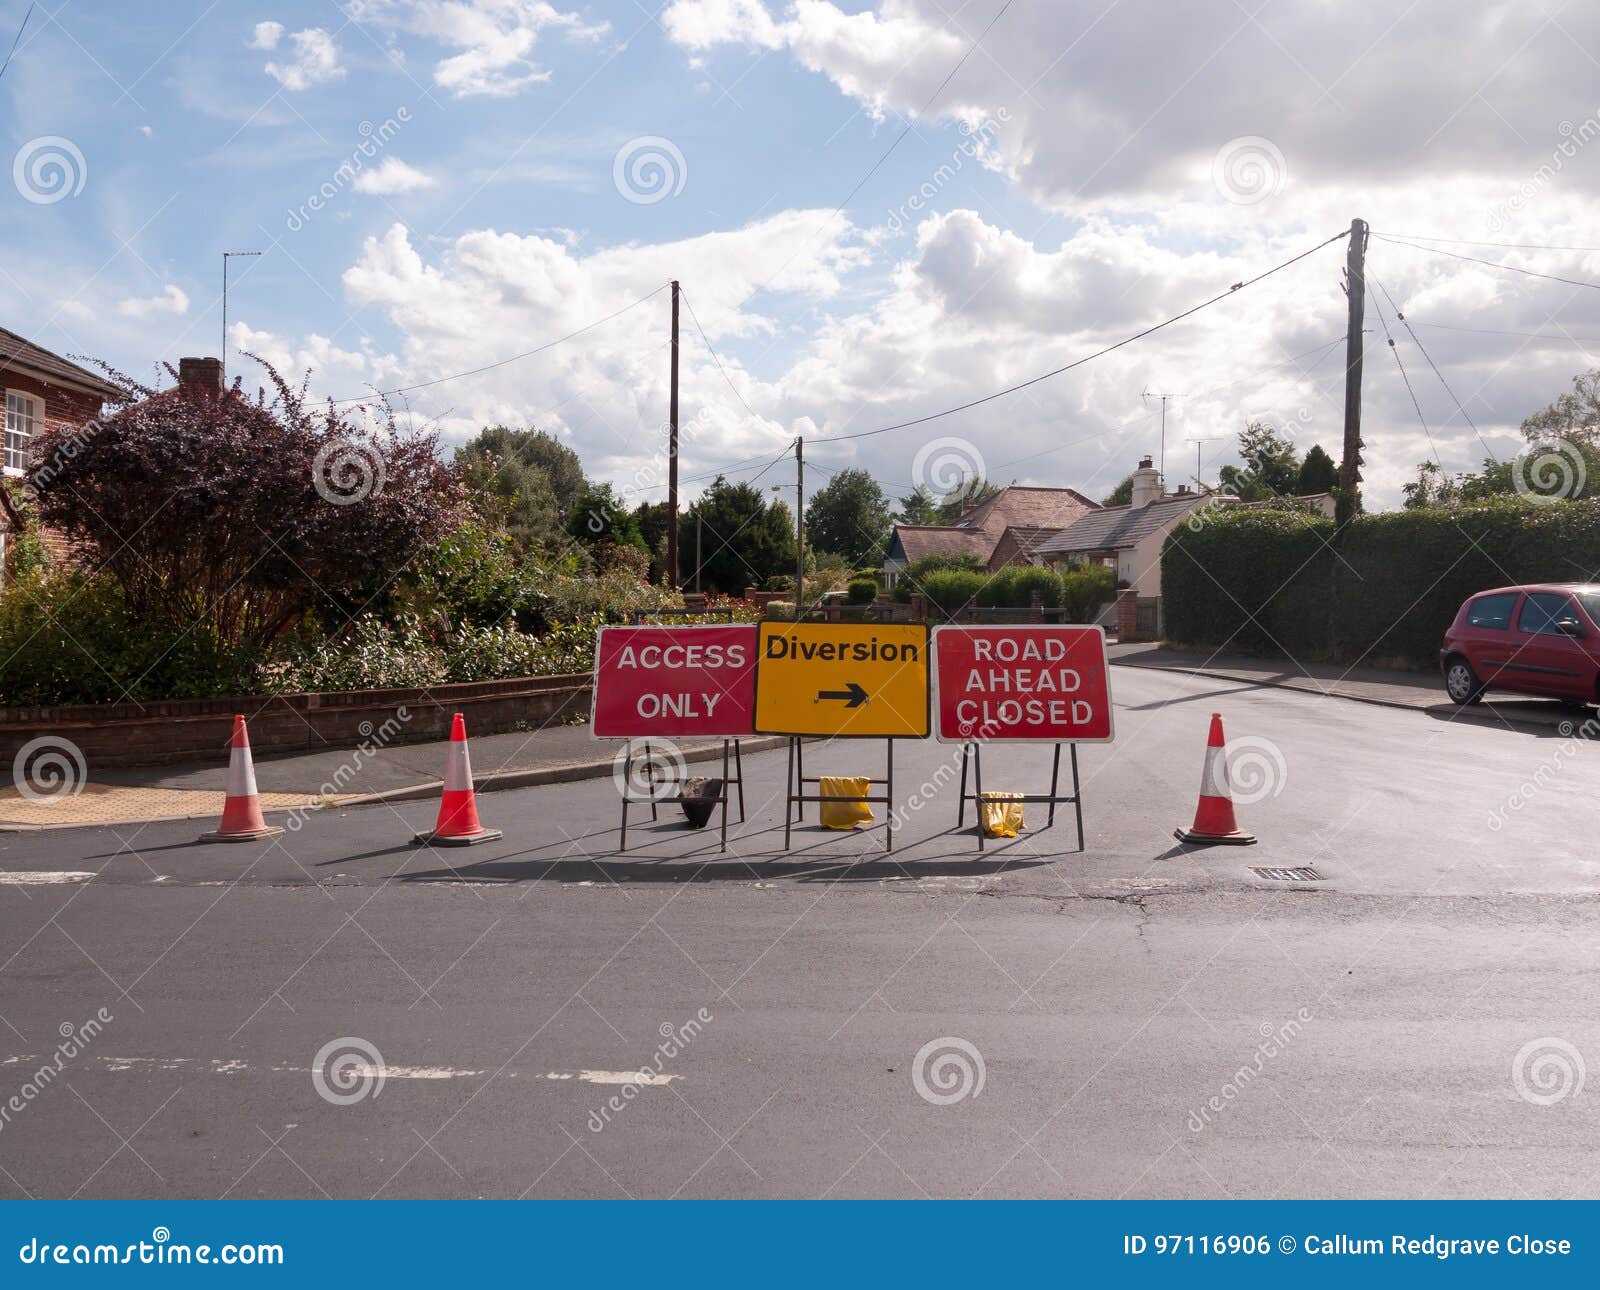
(1183, 490)
(202, 373)
(1146, 484)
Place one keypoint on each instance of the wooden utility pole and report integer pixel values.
(672, 452)
(1355, 289)
(799, 522)
(699, 535)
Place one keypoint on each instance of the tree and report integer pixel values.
(918, 507)
(525, 481)
(972, 493)
(1121, 495)
(230, 519)
(651, 517)
(850, 518)
(600, 518)
(1270, 469)
(1574, 417)
(1318, 474)
(746, 540)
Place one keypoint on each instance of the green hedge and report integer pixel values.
(1013, 588)
(1273, 583)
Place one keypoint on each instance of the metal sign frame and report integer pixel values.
(797, 800)
(927, 689)
(975, 748)
(934, 683)
(655, 802)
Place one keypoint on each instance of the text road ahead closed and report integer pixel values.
(1021, 684)
(850, 679)
(674, 682)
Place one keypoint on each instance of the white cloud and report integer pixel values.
(316, 61)
(171, 300)
(146, 131)
(496, 38)
(392, 176)
(266, 35)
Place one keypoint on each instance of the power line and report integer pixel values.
(489, 367)
(1510, 246)
(1087, 358)
(684, 295)
(1433, 448)
(1493, 264)
(17, 41)
(1530, 335)
(1415, 340)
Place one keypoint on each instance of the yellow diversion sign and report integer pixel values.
(858, 680)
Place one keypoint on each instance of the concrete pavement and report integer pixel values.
(1148, 1019)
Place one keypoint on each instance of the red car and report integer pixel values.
(1540, 639)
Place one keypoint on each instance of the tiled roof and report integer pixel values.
(18, 353)
(1021, 504)
(1118, 528)
(921, 540)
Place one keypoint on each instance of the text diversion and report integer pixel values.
(868, 651)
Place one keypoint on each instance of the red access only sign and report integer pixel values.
(674, 682)
(1022, 684)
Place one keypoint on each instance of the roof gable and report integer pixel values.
(1117, 528)
(18, 353)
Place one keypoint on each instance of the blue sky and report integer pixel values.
(1073, 180)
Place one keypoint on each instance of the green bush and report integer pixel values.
(1265, 582)
(68, 637)
(919, 571)
(861, 591)
(1013, 588)
(780, 611)
(953, 589)
(1086, 590)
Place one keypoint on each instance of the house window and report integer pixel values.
(22, 415)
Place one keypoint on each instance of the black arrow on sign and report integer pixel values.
(853, 695)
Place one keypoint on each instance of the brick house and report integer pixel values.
(1001, 530)
(43, 391)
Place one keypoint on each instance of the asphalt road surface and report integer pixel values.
(552, 1019)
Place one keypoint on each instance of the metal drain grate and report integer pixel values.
(1279, 874)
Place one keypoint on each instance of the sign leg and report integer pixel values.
(738, 770)
(650, 781)
(1077, 795)
(888, 791)
(627, 771)
(977, 790)
(788, 795)
(1055, 775)
(961, 810)
(800, 783)
(724, 845)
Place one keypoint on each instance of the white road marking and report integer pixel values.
(26, 877)
(237, 1066)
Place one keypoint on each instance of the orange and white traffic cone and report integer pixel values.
(242, 820)
(1214, 821)
(458, 825)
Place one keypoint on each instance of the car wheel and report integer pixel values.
(1461, 682)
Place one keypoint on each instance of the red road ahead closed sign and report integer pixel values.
(1022, 684)
(674, 682)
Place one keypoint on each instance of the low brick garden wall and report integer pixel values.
(181, 730)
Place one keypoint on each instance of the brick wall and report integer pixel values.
(64, 409)
(1128, 614)
(180, 730)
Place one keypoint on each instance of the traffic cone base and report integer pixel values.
(458, 824)
(242, 820)
(1214, 821)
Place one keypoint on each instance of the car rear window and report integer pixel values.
(1492, 611)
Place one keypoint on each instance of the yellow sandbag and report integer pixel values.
(1001, 814)
(844, 814)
